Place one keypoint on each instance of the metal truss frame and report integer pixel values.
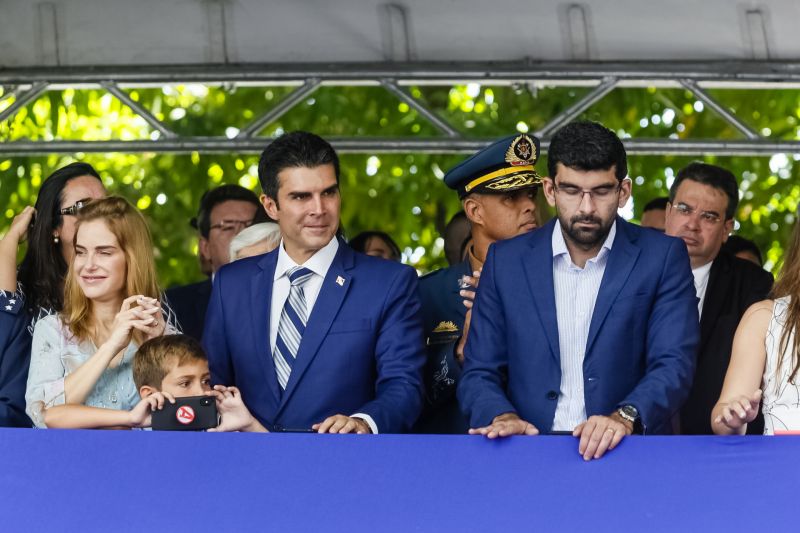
(28, 84)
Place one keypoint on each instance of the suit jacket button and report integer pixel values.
(552, 395)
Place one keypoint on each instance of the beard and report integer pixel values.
(586, 237)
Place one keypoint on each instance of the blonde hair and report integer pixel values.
(130, 228)
(788, 284)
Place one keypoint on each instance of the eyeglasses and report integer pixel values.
(599, 194)
(707, 218)
(227, 226)
(75, 208)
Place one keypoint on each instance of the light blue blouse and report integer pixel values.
(56, 353)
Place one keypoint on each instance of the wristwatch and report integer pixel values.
(629, 413)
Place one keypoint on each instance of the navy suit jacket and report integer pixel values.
(189, 303)
(362, 350)
(15, 357)
(642, 338)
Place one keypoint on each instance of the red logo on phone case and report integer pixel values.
(185, 414)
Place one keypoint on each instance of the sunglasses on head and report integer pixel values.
(75, 208)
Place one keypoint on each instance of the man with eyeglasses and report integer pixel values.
(703, 200)
(587, 326)
(224, 212)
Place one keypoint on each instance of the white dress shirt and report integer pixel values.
(701, 275)
(576, 293)
(319, 264)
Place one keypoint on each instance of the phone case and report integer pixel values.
(192, 413)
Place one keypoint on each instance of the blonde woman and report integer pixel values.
(766, 360)
(82, 356)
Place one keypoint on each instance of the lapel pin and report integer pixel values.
(340, 281)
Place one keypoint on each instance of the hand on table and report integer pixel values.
(342, 424)
(600, 434)
(505, 425)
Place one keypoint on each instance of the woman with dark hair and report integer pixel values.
(376, 243)
(49, 228)
(766, 359)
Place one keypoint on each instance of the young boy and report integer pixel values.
(175, 366)
(165, 368)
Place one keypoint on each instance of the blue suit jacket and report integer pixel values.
(642, 338)
(15, 357)
(362, 351)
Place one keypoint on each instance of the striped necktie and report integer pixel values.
(292, 325)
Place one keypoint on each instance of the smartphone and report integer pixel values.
(192, 413)
(281, 429)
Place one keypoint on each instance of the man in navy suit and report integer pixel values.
(315, 335)
(588, 325)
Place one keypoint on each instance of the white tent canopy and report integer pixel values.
(600, 43)
(72, 33)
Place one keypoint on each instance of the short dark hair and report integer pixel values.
(713, 176)
(737, 243)
(156, 357)
(295, 149)
(359, 242)
(656, 204)
(216, 196)
(43, 268)
(587, 146)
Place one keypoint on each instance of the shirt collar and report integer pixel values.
(560, 245)
(319, 263)
(702, 270)
(474, 262)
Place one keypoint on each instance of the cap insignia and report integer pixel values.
(445, 327)
(521, 152)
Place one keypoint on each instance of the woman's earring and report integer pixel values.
(55, 239)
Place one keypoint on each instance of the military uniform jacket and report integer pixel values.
(443, 315)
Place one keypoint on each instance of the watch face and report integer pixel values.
(631, 411)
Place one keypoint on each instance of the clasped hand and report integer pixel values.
(145, 317)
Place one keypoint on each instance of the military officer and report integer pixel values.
(497, 187)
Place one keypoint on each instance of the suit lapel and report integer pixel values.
(714, 299)
(621, 260)
(260, 305)
(331, 295)
(538, 268)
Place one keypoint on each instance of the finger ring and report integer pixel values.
(610, 429)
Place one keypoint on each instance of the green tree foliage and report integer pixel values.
(402, 194)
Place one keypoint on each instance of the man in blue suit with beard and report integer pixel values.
(316, 336)
(588, 325)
